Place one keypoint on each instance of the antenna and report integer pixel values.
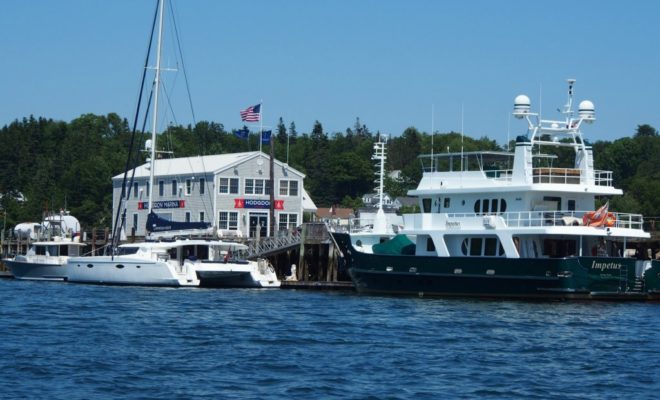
(432, 135)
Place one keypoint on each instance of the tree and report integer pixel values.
(646, 130)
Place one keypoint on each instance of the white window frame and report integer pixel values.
(254, 184)
(202, 185)
(228, 221)
(189, 186)
(285, 187)
(289, 225)
(229, 185)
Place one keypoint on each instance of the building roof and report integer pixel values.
(200, 164)
(307, 203)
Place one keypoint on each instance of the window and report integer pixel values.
(426, 205)
(161, 188)
(228, 186)
(475, 247)
(446, 202)
(256, 186)
(571, 205)
(148, 189)
(174, 188)
(493, 206)
(430, 246)
(135, 221)
(288, 188)
(202, 183)
(484, 205)
(287, 221)
(503, 205)
(477, 206)
(201, 216)
(188, 187)
(490, 247)
(187, 216)
(228, 220)
(135, 190)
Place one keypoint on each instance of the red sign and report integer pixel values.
(143, 205)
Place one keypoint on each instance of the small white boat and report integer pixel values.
(44, 260)
(57, 239)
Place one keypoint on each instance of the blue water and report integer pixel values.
(68, 341)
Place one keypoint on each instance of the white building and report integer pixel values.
(228, 190)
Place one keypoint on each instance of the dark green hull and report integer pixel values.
(494, 277)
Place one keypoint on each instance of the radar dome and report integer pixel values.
(587, 111)
(521, 106)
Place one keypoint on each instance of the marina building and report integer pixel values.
(230, 191)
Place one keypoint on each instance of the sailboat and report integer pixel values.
(147, 263)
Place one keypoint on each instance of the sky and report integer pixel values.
(451, 65)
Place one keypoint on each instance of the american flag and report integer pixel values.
(251, 114)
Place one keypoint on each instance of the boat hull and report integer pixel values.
(36, 271)
(235, 276)
(494, 277)
(126, 271)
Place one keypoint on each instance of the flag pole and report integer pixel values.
(261, 123)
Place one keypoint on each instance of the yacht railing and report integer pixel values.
(603, 178)
(499, 174)
(522, 219)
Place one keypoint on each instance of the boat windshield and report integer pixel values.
(126, 250)
(467, 161)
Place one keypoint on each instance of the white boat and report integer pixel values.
(501, 224)
(146, 263)
(180, 262)
(366, 233)
(57, 240)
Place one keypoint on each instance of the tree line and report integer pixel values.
(50, 165)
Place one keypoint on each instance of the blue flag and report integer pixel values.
(242, 133)
(265, 137)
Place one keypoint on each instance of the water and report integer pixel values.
(68, 341)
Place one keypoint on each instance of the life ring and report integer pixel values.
(610, 220)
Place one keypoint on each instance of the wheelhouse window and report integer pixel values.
(482, 246)
(426, 205)
(430, 245)
(446, 205)
(485, 206)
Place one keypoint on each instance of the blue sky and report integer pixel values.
(386, 62)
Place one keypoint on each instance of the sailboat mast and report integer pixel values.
(155, 114)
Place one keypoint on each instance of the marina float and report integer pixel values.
(513, 224)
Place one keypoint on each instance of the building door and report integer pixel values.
(258, 223)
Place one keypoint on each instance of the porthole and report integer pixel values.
(90, 265)
(137, 266)
(119, 266)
